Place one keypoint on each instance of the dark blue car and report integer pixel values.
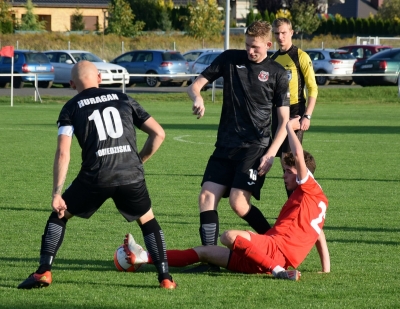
(27, 61)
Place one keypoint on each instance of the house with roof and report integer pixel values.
(355, 8)
(57, 14)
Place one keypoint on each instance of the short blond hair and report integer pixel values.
(259, 29)
(280, 21)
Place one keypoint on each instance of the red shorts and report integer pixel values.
(268, 246)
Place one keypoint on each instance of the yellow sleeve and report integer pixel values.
(308, 73)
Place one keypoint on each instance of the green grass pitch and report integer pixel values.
(355, 137)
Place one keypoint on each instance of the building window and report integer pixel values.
(47, 20)
(91, 23)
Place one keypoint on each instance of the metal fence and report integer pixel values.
(37, 94)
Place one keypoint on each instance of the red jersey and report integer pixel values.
(300, 221)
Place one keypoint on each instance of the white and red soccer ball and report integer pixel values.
(122, 261)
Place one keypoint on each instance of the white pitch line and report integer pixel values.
(181, 139)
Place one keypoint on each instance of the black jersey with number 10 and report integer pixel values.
(104, 124)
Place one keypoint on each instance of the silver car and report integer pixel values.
(192, 55)
(332, 61)
(202, 63)
(64, 60)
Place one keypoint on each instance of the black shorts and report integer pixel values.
(236, 168)
(132, 200)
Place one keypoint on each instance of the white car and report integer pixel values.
(64, 60)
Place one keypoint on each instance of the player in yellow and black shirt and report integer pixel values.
(301, 75)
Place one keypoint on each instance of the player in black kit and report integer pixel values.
(103, 122)
(244, 153)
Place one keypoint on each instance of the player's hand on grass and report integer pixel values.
(58, 205)
(198, 107)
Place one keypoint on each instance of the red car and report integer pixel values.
(362, 52)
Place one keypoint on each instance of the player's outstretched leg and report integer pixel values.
(134, 252)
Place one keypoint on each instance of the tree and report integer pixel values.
(166, 7)
(265, 17)
(6, 21)
(283, 13)
(352, 26)
(389, 9)
(121, 19)
(147, 11)
(344, 27)
(77, 23)
(178, 17)
(205, 20)
(304, 18)
(359, 26)
(250, 18)
(30, 21)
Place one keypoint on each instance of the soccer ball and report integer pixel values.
(121, 261)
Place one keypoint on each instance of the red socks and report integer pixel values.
(180, 258)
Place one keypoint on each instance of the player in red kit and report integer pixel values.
(297, 229)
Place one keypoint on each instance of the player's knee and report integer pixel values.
(227, 238)
(241, 209)
(206, 201)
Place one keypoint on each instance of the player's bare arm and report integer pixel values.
(267, 160)
(194, 93)
(60, 169)
(296, 147)
(312, 88)
(323, 252)
(305, 122)
(156, 136)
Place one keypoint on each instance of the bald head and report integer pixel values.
(84, 74)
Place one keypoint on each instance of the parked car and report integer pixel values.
(192, 55)
(332, 61)
(362, 52)
(155, 62)
(270, 52)
(202, 63)
(64, 60)
(384, 62)
(27, 61)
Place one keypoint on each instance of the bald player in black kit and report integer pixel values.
(103, 122)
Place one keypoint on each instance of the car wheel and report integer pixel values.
(18, 83)
(66, 85)
(46, 84)
(322, 80)
(152, 81)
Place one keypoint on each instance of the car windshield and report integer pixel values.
(341, 55)
(36, 58)
(172, 57)
(86, 56)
